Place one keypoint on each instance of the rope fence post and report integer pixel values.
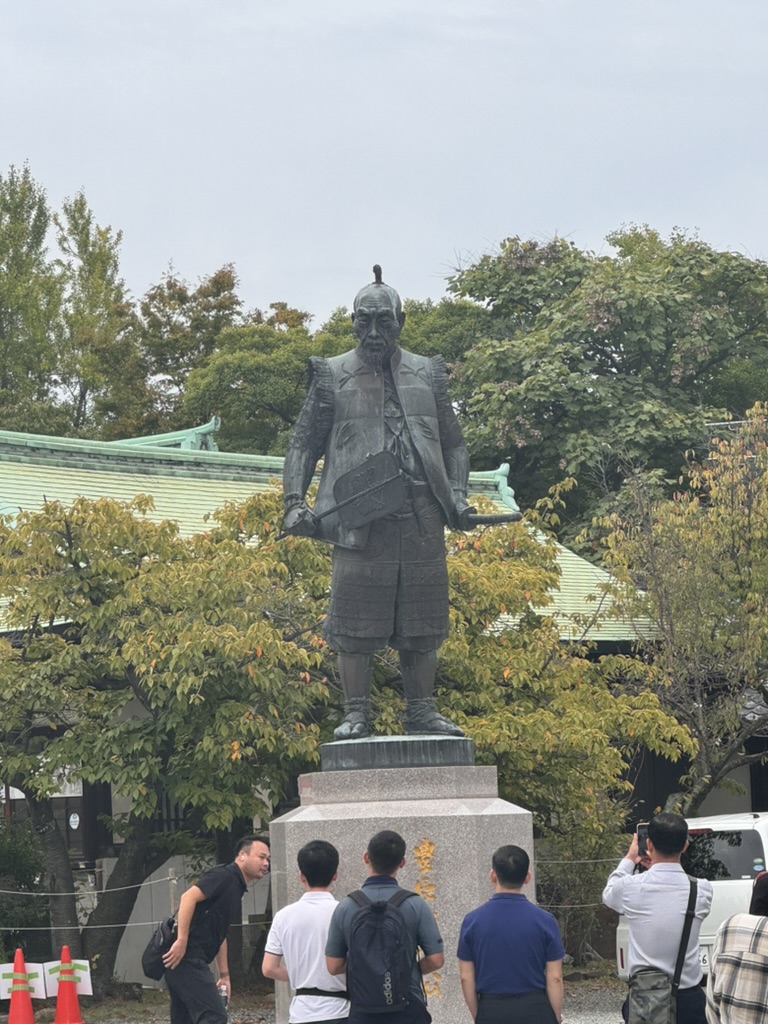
(173, 889)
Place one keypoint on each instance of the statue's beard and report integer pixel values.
(376, 359)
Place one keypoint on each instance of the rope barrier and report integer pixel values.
(82, 893)
(606, 860)
(88, 892)
(100, 927)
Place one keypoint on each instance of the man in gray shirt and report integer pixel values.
(654, 904)
(384, 857)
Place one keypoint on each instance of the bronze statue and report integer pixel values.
(385, 514)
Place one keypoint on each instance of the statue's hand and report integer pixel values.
(461, 514)
(300, 520)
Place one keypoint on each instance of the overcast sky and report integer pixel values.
(304, 140)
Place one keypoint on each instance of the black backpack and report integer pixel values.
(379, 962)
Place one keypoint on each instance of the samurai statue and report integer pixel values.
(389, 584)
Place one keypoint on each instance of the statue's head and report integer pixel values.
(378, 318)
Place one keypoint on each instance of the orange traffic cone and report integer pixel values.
(67, 1006)
(21, 1001)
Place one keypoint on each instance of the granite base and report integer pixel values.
(452, 820)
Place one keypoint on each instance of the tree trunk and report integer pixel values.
(106, 924)
(60, 881)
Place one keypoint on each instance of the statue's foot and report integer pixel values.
(422, 717)
(354, 725)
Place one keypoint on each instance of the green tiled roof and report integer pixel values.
(188, 482)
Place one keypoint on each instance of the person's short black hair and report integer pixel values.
(668, 833)
(386, 851)
(318, 861)
(247, 842)
(511, 864)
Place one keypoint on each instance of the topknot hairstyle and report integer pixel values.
(376, 286)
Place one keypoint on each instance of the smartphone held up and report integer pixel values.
(642, 838)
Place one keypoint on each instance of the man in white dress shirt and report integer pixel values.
(654, 903)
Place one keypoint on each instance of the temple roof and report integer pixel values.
(188, 478)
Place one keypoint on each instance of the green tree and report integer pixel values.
(257, 379)
(170, 677)
(561, 724)
(180, 328)
(692, 572)
(599, 362)
(449, 328)
(30, 295)
(99, 377)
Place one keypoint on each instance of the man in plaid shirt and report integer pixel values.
(737, 991)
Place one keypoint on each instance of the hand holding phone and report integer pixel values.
(642, 837)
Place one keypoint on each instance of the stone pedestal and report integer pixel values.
(452, 820)
(396, 752)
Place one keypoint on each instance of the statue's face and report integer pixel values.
(377, 325)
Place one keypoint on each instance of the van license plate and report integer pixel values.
(704, 956)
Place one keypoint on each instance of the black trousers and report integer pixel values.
(527, 1008)
(194, 998)
(691, 1006)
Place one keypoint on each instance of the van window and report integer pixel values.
(719, 855)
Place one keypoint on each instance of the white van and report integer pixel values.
(728, 849)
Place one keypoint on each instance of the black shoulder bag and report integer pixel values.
(163, 937)
(652, 993)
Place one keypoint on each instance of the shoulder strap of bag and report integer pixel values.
(400, 897)
(689, 915)
(360, 898)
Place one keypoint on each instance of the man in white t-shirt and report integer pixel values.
(295, 948)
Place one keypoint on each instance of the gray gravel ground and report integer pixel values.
(593, 1005)
(584, 1004)
(582, 1007)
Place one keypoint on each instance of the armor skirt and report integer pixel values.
(395, 591)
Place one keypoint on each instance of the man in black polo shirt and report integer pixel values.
(205, 913)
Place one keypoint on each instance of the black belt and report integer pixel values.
(338, 994)
(509, 995)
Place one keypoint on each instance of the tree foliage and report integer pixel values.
(155, 664)
(69, 361)
(30, 297)
(449, 328)
(180, 328)
(99, 377)
(597, 362)
(560, 723)
(692, 571)
(21, 863)
(256, 381)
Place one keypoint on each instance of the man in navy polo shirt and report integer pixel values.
(206, 911)
(510, 951)
(384, 857)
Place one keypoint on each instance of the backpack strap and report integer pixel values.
(359, 897)
(362, 900)
(400, 897)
